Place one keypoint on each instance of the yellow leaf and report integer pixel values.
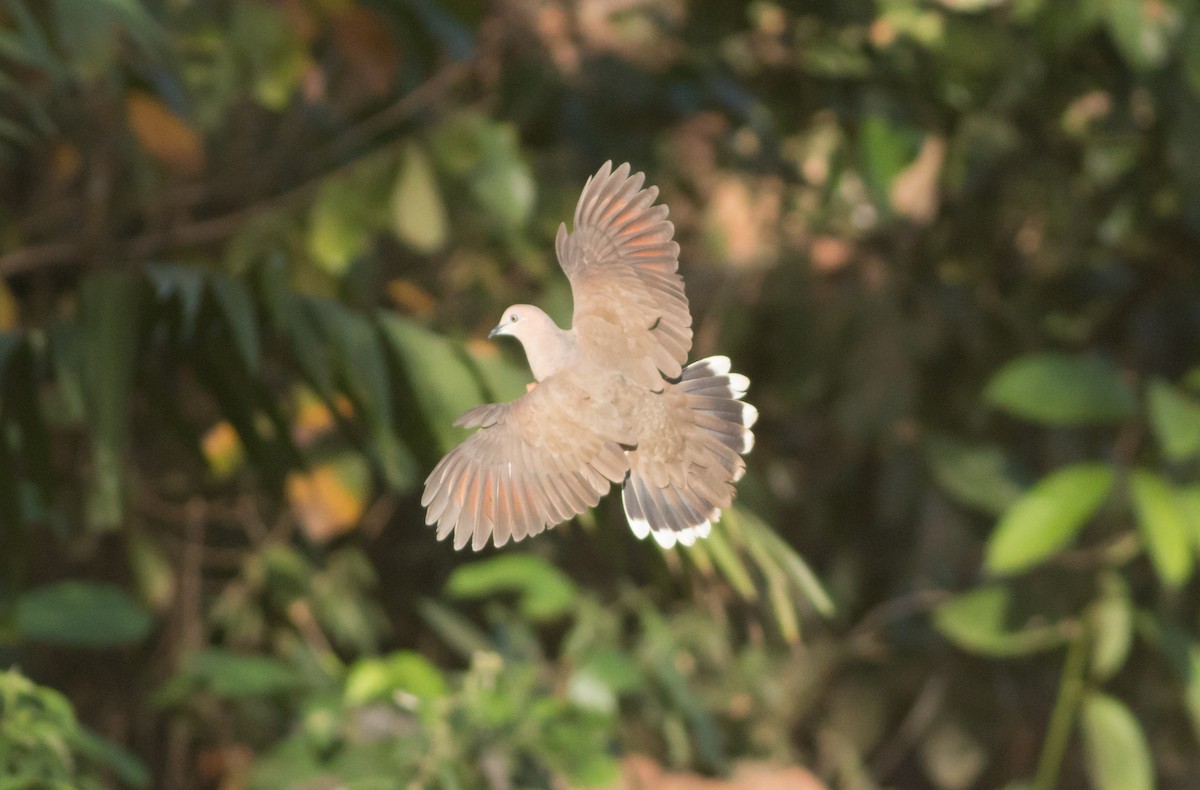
(222, 449)
(325, 501)
(163, 134)
(410, 297)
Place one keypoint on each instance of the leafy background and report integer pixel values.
(250, 249)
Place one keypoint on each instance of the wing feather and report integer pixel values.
(536, 462)
(622, 262)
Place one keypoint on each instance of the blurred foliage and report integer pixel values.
(249, 250)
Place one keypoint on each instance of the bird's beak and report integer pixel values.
(497, 330)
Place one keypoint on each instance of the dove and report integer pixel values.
(614, 401)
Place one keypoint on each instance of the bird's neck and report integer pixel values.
(554, 350)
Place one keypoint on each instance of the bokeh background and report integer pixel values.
(250, 250)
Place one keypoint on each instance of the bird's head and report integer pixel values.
(547, 347)
(522, 321)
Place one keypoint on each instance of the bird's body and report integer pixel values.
(613, 403)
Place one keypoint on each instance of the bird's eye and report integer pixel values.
(513, 317)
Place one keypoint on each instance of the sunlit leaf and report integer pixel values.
(163, 134)
(487, 155)
(1175, 418)
(349, 209)
(405, 672)
(1058, 389)
(330, 499)
(152, 572)
(543, 591)
(222, 449)
(1048, 517)
(1142, 31)
(887, 147)
(1189, 501)
(953, 756)
(1111, 619)
(726, 559)
(978, 475)
(1164, 526)
(1115, 748)
(418, 213)
(978, 621)
(81, 614)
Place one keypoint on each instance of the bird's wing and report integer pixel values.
(630, 308)
(535, 462)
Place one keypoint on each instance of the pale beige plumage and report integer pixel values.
(614, 402)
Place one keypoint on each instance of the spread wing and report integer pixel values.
(535, 462)
(630, 308)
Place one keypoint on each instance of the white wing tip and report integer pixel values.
(718, 365)
(749, 415)
(669, 538)
(665, 538)
(739, 384)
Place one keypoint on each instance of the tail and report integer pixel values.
(676, 493)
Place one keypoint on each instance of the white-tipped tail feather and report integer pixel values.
(720, 434)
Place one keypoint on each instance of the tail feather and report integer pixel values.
(720, 435)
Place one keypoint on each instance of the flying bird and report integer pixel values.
(614, 401)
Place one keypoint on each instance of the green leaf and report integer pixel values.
(1164, 526)
(309, 345)
(886, 149)
(601, 679)
(1191, 56)
(405, 671)
(81, 614)
(977, 475)
(418, 213)
(543, 591)
(237, 307)
(1111, 619)
(978, 622)
(1047, 518)
(127, 767)
(488, 156)
(1057, 389)
(1116, 754)
(503, 379)
(110, 308)
(455, 630)
(273, 53)
(1143, 32)
(1189, 501)
(362, 362)
(232, 675)
(1175, 418)
(442, 383)
(727, 560)
(184, 283)
(349, 209)
(93, 31)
